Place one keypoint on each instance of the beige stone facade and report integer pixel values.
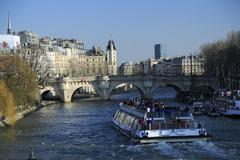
(93, 63)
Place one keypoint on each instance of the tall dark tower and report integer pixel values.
(9, 29)
(157, 50)
(112, 58)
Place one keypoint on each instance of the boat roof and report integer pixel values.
(197, 103)
(141, 112)
(133, 110)
(184, 118)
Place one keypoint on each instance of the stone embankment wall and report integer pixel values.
(25, 112)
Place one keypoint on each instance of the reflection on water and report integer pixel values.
(82, 130)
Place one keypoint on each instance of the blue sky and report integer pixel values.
(135, 25)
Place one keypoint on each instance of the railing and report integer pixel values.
(133, 110)
(113, 77)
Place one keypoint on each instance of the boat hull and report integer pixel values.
(175, 139)
(213, 114)
(231, 113)
(167, 139)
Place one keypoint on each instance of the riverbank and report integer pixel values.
(27, 111)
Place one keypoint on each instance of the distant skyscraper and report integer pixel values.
(9, 29)
(157, 50)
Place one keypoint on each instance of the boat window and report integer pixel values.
(135, 124)
(121, 117)
(116, 115)
(131, 122)
(184, 124)
(126, 119)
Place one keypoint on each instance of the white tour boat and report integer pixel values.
(228, 103)
(229, 108)
(198, 108)
(158, 124)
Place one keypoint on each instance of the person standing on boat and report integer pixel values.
(153, 108)
(158, 109)
(162, 105)
(141, 122)
(141, 105)
(148, 110)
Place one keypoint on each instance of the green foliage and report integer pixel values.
(7, 103)
(19, 78)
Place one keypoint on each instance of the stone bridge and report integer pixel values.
(104, 85)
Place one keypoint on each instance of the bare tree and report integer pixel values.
(38, 61)
(233, 39)
(223, 59)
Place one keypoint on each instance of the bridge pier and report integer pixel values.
(147, 88)
(66, 96)
(147, 93)
(147, 97)
(105, 95)
(103, 88)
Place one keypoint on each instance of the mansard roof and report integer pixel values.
(95, 52)
(109, 45)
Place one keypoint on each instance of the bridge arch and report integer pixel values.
(137, 86)
(205, 86)
(87, 89)
(204, 90)
(157, 86)
(46, 90)
(174, 86)
(44, 94)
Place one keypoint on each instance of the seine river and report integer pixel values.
(82, 130)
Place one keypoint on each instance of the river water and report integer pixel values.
(82, 130)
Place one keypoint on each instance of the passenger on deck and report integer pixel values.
(142, 124)
(153, 109)
(162, 105)
(178, 111)
(130, 103)
(148, 109)
(141, 105)
(186, 109)
(158, 110)
(199, 125)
